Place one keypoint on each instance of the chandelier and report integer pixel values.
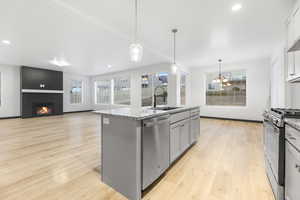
(222, 80)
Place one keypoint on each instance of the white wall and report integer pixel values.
(136, 91)
(258, 88)
(10, 91)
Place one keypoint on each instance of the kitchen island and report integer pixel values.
(139, 145)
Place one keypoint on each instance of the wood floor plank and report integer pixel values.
(57, 158)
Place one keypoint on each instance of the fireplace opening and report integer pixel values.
(43, 109)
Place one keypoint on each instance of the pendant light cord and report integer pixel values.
(174, 48)
(174, 45)
(136, 21)
(220, 75)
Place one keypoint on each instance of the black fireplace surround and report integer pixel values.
(41, 92)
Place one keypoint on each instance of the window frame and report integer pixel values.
(113, 89)
(226, 71)
(95, 92)
(182, 73)
(82, 91)
(112, 94)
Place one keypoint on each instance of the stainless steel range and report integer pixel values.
(274, 147)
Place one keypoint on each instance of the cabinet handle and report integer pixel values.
(291, 137)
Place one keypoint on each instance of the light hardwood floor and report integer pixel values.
(57, 158)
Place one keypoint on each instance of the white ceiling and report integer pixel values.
(92, 34)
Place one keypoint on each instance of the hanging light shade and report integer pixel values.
(174, 65)
(136, 52)
(136, 49)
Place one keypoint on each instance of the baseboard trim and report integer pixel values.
(224, 118)
(81, 111)
(13, 117)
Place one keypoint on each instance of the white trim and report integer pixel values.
(42, 91)
(1, 88)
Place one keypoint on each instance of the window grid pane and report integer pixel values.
(103, 92)
(122, 91)
(230, 93)
(76, 92)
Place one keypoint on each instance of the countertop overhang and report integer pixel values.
(142, 113)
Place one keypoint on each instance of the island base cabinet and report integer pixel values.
(174, 142)
(179, 139)
(292, 173)
(184, 135)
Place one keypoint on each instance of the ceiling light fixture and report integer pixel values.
(6, 42)
(136, 49)
(237, 7)
(109, 66)
(60, 62)
(174, 65)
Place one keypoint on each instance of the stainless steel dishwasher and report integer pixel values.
(156, 148)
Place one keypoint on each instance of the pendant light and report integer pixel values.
(174, 65)
(136, 49)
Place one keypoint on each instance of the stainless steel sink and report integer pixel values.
(165, 108)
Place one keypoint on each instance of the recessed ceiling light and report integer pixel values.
(6, 42)
(60, 62)
(237, 7)
(109, 66)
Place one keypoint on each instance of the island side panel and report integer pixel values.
(121, 155)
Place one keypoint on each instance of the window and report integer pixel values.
(157, 83)
(183, 89)
(103, 92)
(121, 91)
(229, 93)
(113, 91)
(76, 92)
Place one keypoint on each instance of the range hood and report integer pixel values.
(295, 46)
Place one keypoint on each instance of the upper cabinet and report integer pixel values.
(293, 45)
(294, 30)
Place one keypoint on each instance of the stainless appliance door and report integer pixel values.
(156, 148)
(271, 146)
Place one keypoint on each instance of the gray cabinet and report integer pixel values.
(184, 135)
(195, 129)
(292, 173)
(179, 139)
(175, 148)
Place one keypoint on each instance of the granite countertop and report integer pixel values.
(142, 113)
(295, 123)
